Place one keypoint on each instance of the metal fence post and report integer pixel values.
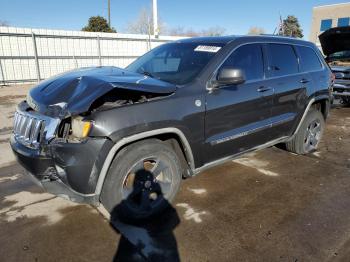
(75, 61)
(36, 58)
(2, 74)
(99, 51)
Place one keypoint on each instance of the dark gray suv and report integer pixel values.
(126, 137)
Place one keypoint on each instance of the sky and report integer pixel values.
(234, 15)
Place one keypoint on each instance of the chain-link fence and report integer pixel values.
(28, 55)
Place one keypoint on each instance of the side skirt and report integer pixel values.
(228, 158)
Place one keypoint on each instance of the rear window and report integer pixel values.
(308, 59)
(282, 60)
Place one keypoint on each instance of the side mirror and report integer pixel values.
(230, 76)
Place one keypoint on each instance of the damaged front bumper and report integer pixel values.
(67, 170)
(64, 168)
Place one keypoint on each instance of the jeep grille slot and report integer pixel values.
(27, 129)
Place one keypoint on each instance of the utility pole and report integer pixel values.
(109, 13)
(155, 18)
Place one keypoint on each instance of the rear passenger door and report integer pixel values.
(290, 88)
(310, 63)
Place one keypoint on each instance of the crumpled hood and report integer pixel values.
(335, 40)
(73, 92)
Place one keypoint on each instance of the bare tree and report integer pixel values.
(144, 24)
(214, 31)
(4, 23)
(211, 31)
(182, 31)
(255, 30)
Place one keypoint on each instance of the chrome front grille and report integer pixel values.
(27, 129)
(30, 129)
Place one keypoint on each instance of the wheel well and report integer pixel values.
(174, 141)
(322, 106)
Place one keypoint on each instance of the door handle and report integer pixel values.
(264, 89)
(304, 81)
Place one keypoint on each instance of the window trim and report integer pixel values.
(214, 73)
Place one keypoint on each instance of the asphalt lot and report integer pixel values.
(267, 206)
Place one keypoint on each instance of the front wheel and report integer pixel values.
(142, 180)
(308, 137)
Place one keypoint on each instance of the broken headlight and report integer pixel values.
(80, 128)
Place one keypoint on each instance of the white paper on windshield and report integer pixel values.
(207, 48)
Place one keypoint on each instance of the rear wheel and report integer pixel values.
(307, 139)
(142, 180)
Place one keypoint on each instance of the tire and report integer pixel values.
(307, 139)
(134, 173)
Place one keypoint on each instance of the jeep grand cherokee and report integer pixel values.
(181, 108)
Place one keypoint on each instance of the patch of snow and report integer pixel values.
(257, 164)
(198, 191)
(9, 178)
(33, 205)
(191, 214)
(317, 153)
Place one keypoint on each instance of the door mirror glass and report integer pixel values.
(230, 76)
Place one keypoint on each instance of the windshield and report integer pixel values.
(176, 63)
(343, 55)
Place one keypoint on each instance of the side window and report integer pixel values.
(282, 60)
(309, 61)
(248, 58)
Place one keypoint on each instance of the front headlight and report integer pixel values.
(80, 128)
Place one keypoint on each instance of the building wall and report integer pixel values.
(325, 12)
(27, 55)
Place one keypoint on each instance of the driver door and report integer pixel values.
(238, 116)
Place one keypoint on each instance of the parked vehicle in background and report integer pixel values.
(336, 46)
(183, 107)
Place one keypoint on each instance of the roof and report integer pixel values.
(209, 39)
(227, 39)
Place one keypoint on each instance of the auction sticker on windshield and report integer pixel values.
(207, 48)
